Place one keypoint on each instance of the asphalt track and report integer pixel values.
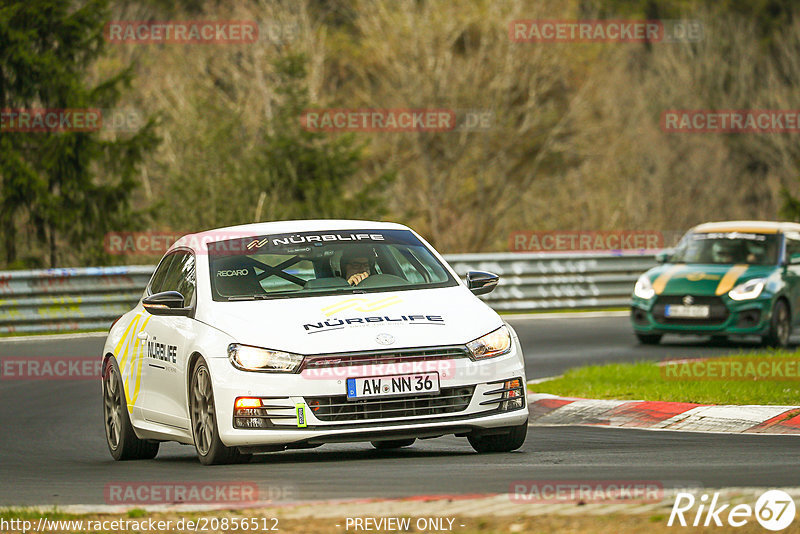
(52, 448)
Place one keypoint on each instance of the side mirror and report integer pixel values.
(165, 303)
(480, 282)
(794, 259)
(664, 256)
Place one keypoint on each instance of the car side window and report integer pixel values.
(181, 276)
(157, 281)
(187, 282)
(792, 246)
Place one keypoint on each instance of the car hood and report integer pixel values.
(342, 323)
(703, 279)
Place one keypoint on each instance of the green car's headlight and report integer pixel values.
(250, 358)
(748, 290)
(493, 344)
(644, 288)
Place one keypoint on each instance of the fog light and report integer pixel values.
(250, 422)
(748, 319)
(249, 412)
(515, 394)
(247, 402)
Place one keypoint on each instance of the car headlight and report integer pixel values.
(255, 359)
(493, 344)
(748, 290)
(644, 288)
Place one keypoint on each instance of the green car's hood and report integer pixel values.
(704, 279)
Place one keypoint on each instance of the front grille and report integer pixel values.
(384, 357)
(718, 312)
(333, 408)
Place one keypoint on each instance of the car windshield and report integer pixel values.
(317, 263)
(727, 248)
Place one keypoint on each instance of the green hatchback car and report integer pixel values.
(723, 278)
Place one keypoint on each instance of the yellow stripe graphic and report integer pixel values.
(361, 304)
(140, 347)
(730, 278)
(661, 282)
(121, 351)
(130, 355)
(123, 357)
(124, 336)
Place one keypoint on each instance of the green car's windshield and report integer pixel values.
(727, 248)
(316, 263)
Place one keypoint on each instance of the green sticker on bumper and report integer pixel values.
(301, 415)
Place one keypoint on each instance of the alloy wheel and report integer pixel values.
(202, 410)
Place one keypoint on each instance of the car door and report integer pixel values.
(792, 273)
(165, 346)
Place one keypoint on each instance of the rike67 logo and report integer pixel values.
(774, 510)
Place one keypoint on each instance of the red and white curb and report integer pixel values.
(551, 410)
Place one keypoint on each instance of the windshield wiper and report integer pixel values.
(248, 297)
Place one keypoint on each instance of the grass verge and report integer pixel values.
(685, 383)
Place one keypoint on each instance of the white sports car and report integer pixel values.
(293, 334)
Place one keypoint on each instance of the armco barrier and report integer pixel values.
(57, 300)
(556, 281)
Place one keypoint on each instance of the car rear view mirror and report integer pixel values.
(165, 303)
(480, 282)
(664, 256)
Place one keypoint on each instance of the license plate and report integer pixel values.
(390, 386)
(692, 312)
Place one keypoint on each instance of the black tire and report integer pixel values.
(649, 339)
(120, 437)
(203, 413)
(393, 444)
(506, 442)
(780, 326)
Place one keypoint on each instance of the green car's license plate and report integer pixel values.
(690, 312)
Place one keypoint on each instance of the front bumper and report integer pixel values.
(729, 317)
(291, 399)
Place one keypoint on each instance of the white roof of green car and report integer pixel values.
(753, 227)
